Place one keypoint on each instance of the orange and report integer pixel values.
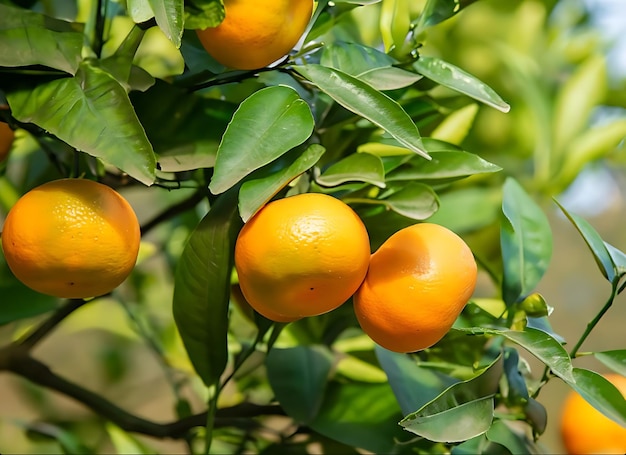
(6, 140)
(584, 430)
(418, 282)
(255, 33)
(301, 256)
(71, 238)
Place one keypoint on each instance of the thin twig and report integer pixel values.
(29, 341)
(171, 212)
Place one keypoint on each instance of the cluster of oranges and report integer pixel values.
(306, 255)
(300, 256)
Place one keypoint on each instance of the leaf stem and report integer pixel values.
(100, 17)
(591, 325)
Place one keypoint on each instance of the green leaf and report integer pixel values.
(600, 393)
(526, 242)
(594, 242)
(394, 24)
(437, 11)
(267, 124)
(591, 144)
(354, 58)
(366, 101)
(139, 10)
(357, 167)
(540, 344)
(518, 392)
(298, 377)
(109, 128)
(36, 39)
(463, 411)
(362, 415)
(169, 15)
(412, 385)
(615, 360)
(456, 126)
(618, 257)
(415, 200)
(502, 434)
(265, 183)
(572, 111)
(367, 64)
(14, 294)
(201, 14)
(442, 168)
(177, 125)
(455, 78)
(202, 288)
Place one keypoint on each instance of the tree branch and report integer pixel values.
(30, 340)
(17, 360)
(171, 212)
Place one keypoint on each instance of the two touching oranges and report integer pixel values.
(306, 255)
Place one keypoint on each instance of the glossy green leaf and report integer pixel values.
(169, 15)
(415, 200)
(202, 288)
(139, 10)
(363, 415)
(298, 377)
(526, 242)
(366, 101)
(412, 385)
(177, 126)
(263, 184)
(455, 78)
(615, 360)
(437, 11)
(462, 411)
(600, 393)
(354, 58)
(443, 167)
(594, 242)
(201, 14)
(367, 64)
(357, 167)
(267, 124)
(93, 99)
(36, 39)
(540, 344)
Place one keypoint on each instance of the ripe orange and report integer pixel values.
(71, 238)
(6, 140)
(584, 430)
(418, 282)
(301, 256)
(255, 33)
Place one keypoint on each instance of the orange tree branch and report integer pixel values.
(15, 359)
